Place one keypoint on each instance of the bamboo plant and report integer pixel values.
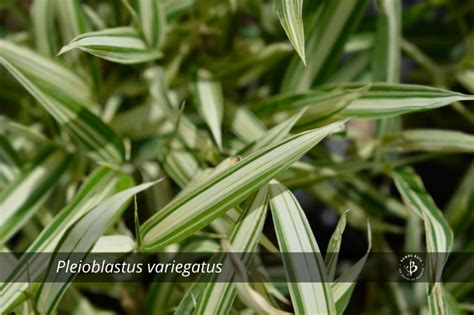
(166, 126)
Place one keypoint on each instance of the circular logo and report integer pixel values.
(411, 267)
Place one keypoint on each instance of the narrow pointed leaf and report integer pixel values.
(321, 106)
(333, 23)
(80, 238)
(209, 102)
(379, 101)
(334, 245)
(24, 195)
(290, 14)
(439, 236)
(153, 21)
(386, 61)
(61, 93)
(217, 298)
(295, 236)
(344, 286)
(121, 45)
(201, 206)
(100, 184)
(429, 140)
(43, 26)
(385, 100)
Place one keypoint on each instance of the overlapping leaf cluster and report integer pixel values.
(215, 111)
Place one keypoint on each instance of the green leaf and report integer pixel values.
(462, 200)
(217, 298)
(386, 61)
(209, 102)
(201, 206)
(278, 133)
(43, 26)
(439, 236)
(379, 101)
(80, 238)
(385, 100)
(22, 197)
(334, 245)
(333, 23)
(344, 286)
(295, 236)
(430, 140)
(290, 14)
(243, 123)
(65, 96)
(9, 162)
(100, 184)
(72, 20)
(321, 106)
(120, 44)
(153, 22)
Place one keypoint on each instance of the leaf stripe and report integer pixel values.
(222, 192)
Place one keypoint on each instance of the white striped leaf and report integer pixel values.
(344, 286)
(80, 238)
(30, 189)
(334, 245)
(248, 295)
(153, 21)
(213, 198)
(429, 140)
(290, 14)
(439, 236)
(380, 101)
(321, 106)
(100, 184)
(120, 44)
(386, 61)
(43, 26)
(295, 236)
(65, 97)
(209, 102)
(462, 200)
(9, 162)
(385, 100)
(333, 23)
(71, 19)
(217, 298)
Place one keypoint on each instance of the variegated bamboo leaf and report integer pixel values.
(290, 14)
(213, 198)
(100, 184)
(333, 23)
(209, 102)
(120, 44)
(429, 140)
(80, 238)
(153, 21)
(65, 96)
(27, 192)
(217, 298)
(334, 245)
(439, 236)
(379, 101)
(295, 236)
(344, 286)
(386, 61)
